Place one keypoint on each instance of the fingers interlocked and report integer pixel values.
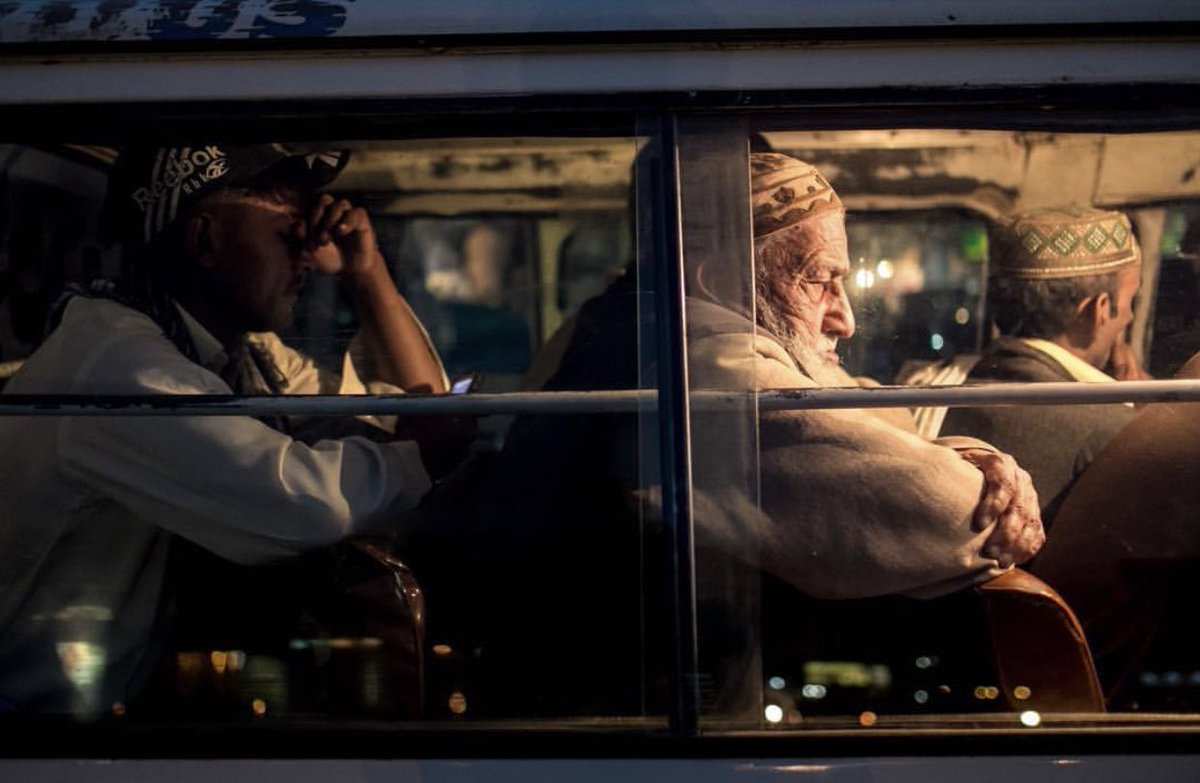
(1009, 502)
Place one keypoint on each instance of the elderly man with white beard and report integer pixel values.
(852, 503)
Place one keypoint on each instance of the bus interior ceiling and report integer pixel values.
(540, 194)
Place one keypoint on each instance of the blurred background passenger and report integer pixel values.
(1126, 554)
(1061, 295)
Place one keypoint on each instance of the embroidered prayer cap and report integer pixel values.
(785, 191)
(1058, 242)
(150, 187)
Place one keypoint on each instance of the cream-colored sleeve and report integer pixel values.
(851, 506)
(229, 483)
(355, 381)
(305, 376)
(302, 375)
(859, 508)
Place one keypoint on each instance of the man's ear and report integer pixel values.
(200, 238)
(1091, 315)
(1101, 308)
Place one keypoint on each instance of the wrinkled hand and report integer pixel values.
(1125, 365)
(340, 237)
(1011, 503)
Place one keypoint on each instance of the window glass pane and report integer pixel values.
(50, 231)
(916, 286)
(284, 566)
(713, 174)
(1174, 300)
(886, 588)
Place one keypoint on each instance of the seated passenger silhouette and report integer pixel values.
(559, 590)
(1061, 295)
(222, 238)
(1125, 554)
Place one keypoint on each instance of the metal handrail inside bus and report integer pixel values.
(580, 402)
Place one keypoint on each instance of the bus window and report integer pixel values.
(487, 601)
(903, 250)
(1176, 296)
(49, 221)
(917, 284)
(533, 282)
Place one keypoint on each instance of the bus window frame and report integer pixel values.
(378, 742)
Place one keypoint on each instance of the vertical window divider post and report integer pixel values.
(675, 430)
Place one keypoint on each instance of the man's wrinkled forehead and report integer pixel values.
(818, 244)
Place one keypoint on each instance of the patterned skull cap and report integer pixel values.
(1058, 242)
(785, 191)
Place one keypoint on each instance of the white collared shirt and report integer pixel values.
(1077, 368)
(87, 501)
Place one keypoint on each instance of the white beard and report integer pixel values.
(815, 354)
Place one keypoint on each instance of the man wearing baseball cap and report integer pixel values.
(1061, 292)
(221, 238)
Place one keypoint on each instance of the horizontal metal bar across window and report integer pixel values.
(630, 401)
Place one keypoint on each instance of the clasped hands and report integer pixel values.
(1009, 502)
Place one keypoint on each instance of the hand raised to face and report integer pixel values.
(1125, 364)
(340, 237)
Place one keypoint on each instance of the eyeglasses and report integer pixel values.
(819, 287)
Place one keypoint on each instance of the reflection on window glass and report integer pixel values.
(1176, 302)
(853, 567)
(494, 244)
(278, 566)
(916, 284)
(891, 584)
(478, 281)
(49, 225)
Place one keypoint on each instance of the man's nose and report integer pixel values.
(839, 318)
